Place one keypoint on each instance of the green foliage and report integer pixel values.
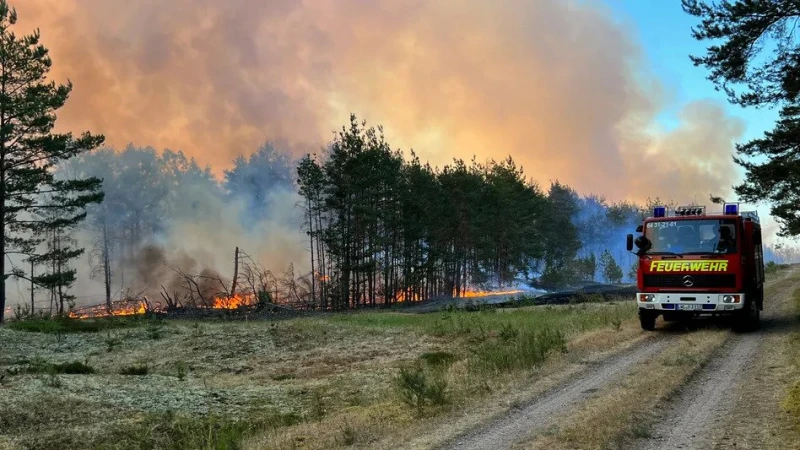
(479, 325)
(30, 152)
(633, 271)
(135, 370)
(755, 59)
(58, 325)
(438, 359)
(611, 270)
(520, 349)
(38, 365)
(770, 267)
(419, 388)
(181, 369)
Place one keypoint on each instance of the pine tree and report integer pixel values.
(611, 270)
(759, 52)
(35, 204)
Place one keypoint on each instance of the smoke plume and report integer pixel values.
(559, 85)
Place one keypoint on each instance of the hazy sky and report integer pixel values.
(600, 95)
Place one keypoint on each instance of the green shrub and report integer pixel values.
(519, 350)
(135, 370)
(59, 325)
(438, 359)
(38, 365)
(418, 388)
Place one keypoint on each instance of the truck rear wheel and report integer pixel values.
(648, 319)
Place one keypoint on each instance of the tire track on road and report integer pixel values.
(700, 406)
(521, 423)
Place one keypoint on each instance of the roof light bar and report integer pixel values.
(690, 211)
(659, 211)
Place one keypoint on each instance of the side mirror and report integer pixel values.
(630, 242)
(643, 243)
(639, 228)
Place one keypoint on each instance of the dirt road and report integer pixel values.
(710, 409)
(521, 423)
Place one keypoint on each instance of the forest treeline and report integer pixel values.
(378, 226)
(384, 228)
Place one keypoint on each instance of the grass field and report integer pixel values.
(313, 382)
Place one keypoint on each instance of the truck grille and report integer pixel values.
(727, 280)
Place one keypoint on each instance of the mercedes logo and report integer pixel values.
(687, 281)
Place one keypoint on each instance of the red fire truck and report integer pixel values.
(697, 264)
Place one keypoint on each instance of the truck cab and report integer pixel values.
(697, 264)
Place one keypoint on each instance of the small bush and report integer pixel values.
(438, 359)
(282, 376)
(135, 370)
(770, 267)
(181, 368)
(525, 350)
(419, 389)
(154, 330)
(69, 368)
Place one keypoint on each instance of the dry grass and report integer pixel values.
(314, 382)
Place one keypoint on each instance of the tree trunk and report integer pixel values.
(235, 272)
(106, 266)
(32, 288)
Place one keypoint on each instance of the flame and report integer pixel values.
(401, 297)
(234, 302)
(469, 293)
(120, 308)
(138, 307)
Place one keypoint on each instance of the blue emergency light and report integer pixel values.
(731, 208)
(659, 211)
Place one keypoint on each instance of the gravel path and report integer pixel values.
(520, 423)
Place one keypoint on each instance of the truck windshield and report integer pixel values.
(686, 237)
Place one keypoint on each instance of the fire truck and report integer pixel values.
(697, 264)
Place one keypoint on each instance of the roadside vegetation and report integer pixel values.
(316, 382)
(792, 400)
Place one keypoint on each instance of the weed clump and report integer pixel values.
(517, 349)
(438, 359)
(68, 368)
(135, 370)
(64, 324)
(418, 388)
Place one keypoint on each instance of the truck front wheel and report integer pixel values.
(647, 319)
(749, 318)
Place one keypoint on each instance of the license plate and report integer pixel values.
(690, 307)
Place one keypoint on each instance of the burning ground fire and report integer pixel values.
(403, 296)
(142, 306)
(136, 307)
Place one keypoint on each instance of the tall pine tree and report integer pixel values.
(755, 59)
(34, 204)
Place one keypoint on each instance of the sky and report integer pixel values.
(599, 94)
(664, 31)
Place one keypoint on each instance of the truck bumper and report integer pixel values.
(699, 303)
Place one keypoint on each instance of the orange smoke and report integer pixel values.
(558, 85)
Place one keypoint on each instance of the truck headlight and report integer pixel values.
(646, 297)
(730, 299)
